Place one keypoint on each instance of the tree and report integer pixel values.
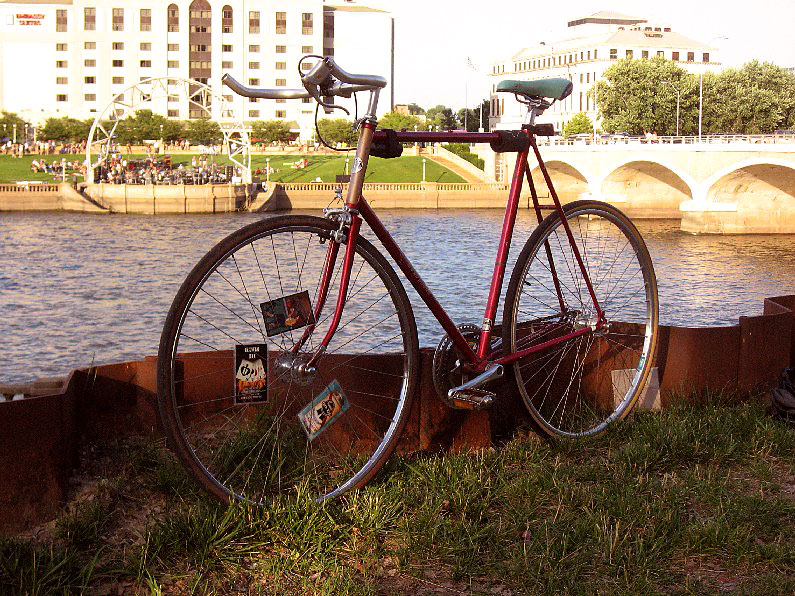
(579, 124)
(269, 131)
(400, 122)
(203, 131)
(338, 130)
(65, 129)
(140, 126)
(638, 96)
(441, 117)
(415, 110)
(7, 122)
(471, 117)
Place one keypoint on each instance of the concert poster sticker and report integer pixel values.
(251, 373)
(287, 313)
(324, 410)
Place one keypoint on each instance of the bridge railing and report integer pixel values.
(722, 139)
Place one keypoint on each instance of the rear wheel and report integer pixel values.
(580, 386)
(241, 406)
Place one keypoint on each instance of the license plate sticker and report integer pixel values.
(324, 410)
(251, 373)
(287, 313)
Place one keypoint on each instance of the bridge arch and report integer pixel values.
(570, 180)
(200, 98)
(752, 181)
(633, 181)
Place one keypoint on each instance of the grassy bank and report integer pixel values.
(403, 169)
(698, 499)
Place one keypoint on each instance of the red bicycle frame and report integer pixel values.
(361, 209)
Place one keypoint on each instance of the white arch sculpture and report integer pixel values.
(134, 97)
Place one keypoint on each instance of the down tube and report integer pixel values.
(414, 278)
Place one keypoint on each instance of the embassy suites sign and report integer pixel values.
(29, 19)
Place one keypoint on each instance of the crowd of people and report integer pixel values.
(41, 148)
(116, 169)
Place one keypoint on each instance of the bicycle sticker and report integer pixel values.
(324, 410)
(358, 164)
(287, 313)
(251, 376)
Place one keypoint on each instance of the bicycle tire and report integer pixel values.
(581, 386)
(255, 448)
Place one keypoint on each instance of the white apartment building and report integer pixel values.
(73, 57)
(594, 44)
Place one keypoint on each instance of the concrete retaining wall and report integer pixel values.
(150, 199)
(40, 436)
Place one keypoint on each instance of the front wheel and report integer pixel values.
(246, 409)
(578, 386)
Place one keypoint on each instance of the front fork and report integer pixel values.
(347, 233)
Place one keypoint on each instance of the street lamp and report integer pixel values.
(423, 169)
(267, 170)
(677, 107)
(15, 133)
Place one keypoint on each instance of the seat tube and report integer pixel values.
(502, 253)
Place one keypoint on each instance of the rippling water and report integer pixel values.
(77, 289)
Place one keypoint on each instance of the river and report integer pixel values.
(81, 289)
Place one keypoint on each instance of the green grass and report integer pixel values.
(402, 169)
(694, 500)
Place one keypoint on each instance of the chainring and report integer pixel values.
(447, 371)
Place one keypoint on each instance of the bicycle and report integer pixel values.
(289, 358)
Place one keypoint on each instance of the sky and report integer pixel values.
(434, 38)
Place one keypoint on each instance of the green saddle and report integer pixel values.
(552, 88)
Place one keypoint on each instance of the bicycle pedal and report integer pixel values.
(471, 399)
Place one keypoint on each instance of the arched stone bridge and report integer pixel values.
(736, 187)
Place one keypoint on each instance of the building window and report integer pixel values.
(60, 97)
(61, 64)
(253, 65)
(200, 47)
(117, 63)
(253, 48)
(587, 77)
(200, 64)
(305, 66)
(226, 19)
(629, 54)
(281, 22)
(675, 56)
(173, 18)
(227, 47)
(661, 53)
(146, 46)
(173, 113)
(253, 21)
(228, 98)
(306, 49)
(253, 82)
(90, 62)
(146, 19)
(281, 82)
(307, 23)
(90, 19)
(60, 20)
(226, 64)
(253, 113)
(705, 57)
(118, 80)
(61, 80)
(281, 49)
(90, 45)
(90, 97)
(173, 64)
(146, 64)
(283, 100)
(90, 80)
(253, 99)
(118, 19)
(644, 54)
(613, 54)
(118, 45)
(173, 47)
(281, 113)
(691, 56)
(281, 66)
(60, 47)
(200, 17)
